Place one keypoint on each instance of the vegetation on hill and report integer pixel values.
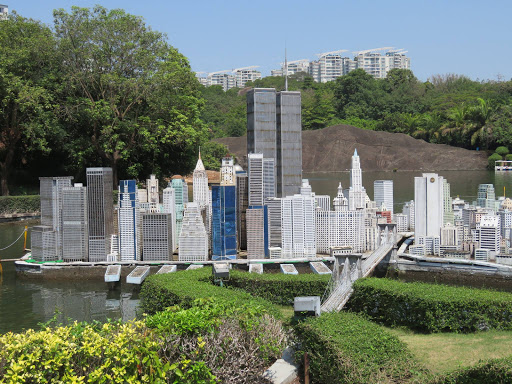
(448, 109)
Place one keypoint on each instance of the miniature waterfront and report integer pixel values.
(25, 303)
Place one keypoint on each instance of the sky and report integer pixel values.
(465, 37)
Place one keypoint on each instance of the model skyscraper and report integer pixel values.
(100, 210)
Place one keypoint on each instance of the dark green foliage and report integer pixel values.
(19, 204)
(212, 154)
(502, 151)
(346, 348)
(279, 288)
(496, 371)
(183, 288)
(432, 307)
(492, 160)
(509, 157)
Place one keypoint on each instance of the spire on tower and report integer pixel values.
(355, 151)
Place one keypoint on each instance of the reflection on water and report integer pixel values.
(26, 303)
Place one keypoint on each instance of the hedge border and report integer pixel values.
(432, 308)
(182, 288)
(279, 288)
(19, 204)
(344, 347)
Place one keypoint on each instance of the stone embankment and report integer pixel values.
(330, 150)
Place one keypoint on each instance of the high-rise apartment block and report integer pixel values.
(383, 194)
(429, 205)
(129, 224)
(236, 78)
(193, 244)
(4, 12)
(100, 210)
(331, 65)
(157, 234)
(75, 239)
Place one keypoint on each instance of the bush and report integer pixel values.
(346, 348)
(491, 371)
(432, 307)
(509, 157)
(279, 288)
(19, 204)
(492, 159)
(82, 353)
(182, 288)
(502, 151)
(236, 342)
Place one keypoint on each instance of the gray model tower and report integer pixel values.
(288, 143)
(261, 122)
(100, 210)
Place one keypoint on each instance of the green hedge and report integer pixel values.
(19, 204)
(182, 288)
(432, 307)
(279, 288)
(491, 371)
(346, 348)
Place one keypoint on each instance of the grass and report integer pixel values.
(445, 352)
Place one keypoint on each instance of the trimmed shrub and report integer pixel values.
(492, 160)
(346, 348)
(509, 157)
(19, 204)
(502, 151)
(182, 288)
(432, 307)
(491, 371)
(236, 342)
(279, 288)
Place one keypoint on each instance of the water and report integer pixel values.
(463, 183)
(25, 303)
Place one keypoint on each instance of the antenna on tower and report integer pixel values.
(285, 69)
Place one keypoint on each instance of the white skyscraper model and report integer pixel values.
(200, 184)
(170, 207)
(383, 194)
(428, 205)
(489, 233)
(193, 237)
(340, 202)
(357, 193)
(227, 172)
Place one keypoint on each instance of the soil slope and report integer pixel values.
(330, 150)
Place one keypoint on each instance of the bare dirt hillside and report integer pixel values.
(330, 150)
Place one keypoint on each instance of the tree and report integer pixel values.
(130, 100)
(27, 58)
